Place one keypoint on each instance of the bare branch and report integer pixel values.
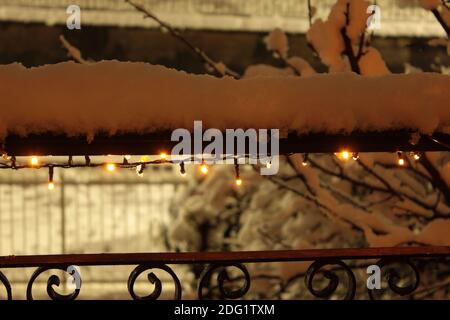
(72, 51)
(177, 34)
(310, 13)
(348, 47)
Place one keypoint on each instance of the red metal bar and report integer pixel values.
(222, 257)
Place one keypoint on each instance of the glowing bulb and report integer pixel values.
(355, 156)
(416, 156)
(183, 174)
(305, 160)
(34, 161)
(163, 156)
(204, 169)
(145, 158)
(238, 181)
(345, 155)
(51, 185)
(268, 164)
(127, 156)
(111, 167)
(401, 161)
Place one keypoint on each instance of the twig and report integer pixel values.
(175, 33)
(72, 51)
(310, 15)
(436, 177)
(441, 21)
(348, 51)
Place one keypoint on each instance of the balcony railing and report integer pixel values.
(219, 264)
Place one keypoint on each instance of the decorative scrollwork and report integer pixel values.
(53, 280)
(222, 278)
(4, 280)
(393, 276)
(154, 280)
(333, 279)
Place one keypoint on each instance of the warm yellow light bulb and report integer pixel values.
(204, 169)
(345, 155)
(145, 159)
(183, 174)
(416, 156)
(111, 167)
(304, 163)
(127, 156)
(163, 156)
(401, 162)
(268, 164)
(51, 185)
(34, 161)
(238, 181)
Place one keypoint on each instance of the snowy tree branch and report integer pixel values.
(436, 177)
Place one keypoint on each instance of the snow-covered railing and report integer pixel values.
(115, 107)
(235, 285)
(130, 109)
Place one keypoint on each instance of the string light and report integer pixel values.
(127, 157)
(182, 170)
(204, 168)
(401, 160)
(269, 163)
(238, 180)
(305, 160)
(163, 156)
(34, 161)
(111, 167)
(355, 156)
(416, 156)
(51, 184)
(345, 155)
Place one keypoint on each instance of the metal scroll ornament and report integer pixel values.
(156, 293)
(222, 279)
(53, 280)
(332, 279)
(395, 278)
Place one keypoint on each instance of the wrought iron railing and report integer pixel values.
(219, 264)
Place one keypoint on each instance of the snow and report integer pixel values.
(277, 42)
(113, 96)
(325, 37)
(302, 66)
(371, 63)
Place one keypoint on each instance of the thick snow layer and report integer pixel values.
(117, 96)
